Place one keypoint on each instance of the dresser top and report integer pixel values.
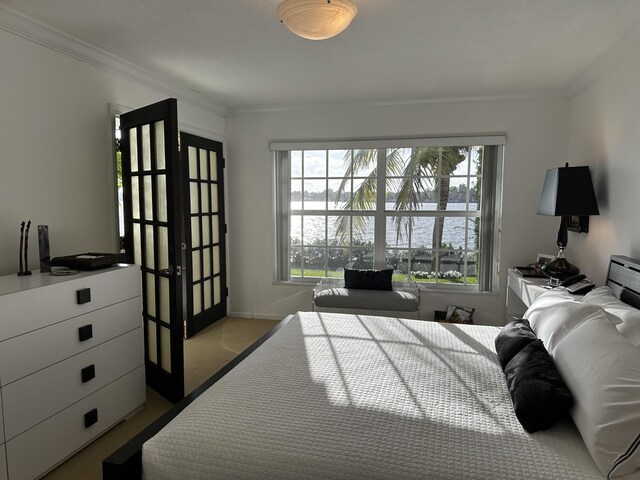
(15, 283)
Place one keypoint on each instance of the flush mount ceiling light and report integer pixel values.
(317, 19)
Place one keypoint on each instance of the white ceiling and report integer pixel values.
(237, 52)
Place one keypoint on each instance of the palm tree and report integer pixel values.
(427, 168)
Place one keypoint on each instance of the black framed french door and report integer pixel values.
(152, 201)
(205, 228)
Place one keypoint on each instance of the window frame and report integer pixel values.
(489, 211)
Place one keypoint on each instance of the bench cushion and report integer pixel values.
(367, 299)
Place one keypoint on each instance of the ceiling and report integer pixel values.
(237, 53)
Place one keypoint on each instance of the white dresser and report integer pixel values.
(71, 364)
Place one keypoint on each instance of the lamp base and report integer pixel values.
(559, 269)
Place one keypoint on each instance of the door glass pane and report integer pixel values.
(133, 149)
(216, 230)
(216, 290)
(161, 192)
(213, 165)
(135, 197)
(193, 163)
(195, 265)
(148, 197)
(163, 248)
(149, 247)
(164, 299)
(146, 148)
(193, 197)
(160, 161)
(214, 198)
(137, 249)
(165, 342)
(151, 295)
(206, 232)
(206, 262)
(151, 342)
(195, 232)
(207, 294)
(204, 164)
(197, 298)
(216, 260)
(204, 205)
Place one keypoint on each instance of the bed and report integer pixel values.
(329, 395)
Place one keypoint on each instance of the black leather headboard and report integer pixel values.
(624, 279)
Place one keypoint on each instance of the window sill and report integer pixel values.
(429, 288)
(296, 283)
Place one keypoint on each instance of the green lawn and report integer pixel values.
(311, 273)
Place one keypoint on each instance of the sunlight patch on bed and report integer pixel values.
(381, 365)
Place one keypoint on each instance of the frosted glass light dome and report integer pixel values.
(317, 19)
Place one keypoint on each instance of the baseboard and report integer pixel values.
(261, 316)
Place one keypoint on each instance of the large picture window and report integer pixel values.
(428, 208)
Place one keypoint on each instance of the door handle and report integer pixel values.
(170, 271)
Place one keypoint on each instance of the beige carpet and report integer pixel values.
(204, 354)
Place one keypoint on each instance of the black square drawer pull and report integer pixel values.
(83, 295)
(90, 417)
(85, 333)
(88, 373)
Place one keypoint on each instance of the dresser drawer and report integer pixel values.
(39, 396)
(34, 308)
(49, 443)
(25, 354)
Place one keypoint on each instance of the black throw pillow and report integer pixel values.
(368, 279)
(513, 337)
(540, 396)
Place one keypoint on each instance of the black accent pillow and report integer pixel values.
(540, 396)
(368, 279)
(513, 337)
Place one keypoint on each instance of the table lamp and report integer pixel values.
(567, 191)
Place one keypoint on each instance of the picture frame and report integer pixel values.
(579, 224)
(541, 260)
(456, 314)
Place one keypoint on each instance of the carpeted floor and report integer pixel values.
(204, 354)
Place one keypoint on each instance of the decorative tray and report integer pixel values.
(529, 272)
(89, 261)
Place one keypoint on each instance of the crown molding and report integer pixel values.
(626, 47)
(333, 107)
(31, 29)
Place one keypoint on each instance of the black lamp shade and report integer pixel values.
(568, 191)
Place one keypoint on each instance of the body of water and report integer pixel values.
(454, 231)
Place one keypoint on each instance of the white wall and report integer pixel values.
(55, 142)
(536, 132)
(604, 133)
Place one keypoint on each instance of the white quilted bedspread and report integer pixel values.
(335, 396)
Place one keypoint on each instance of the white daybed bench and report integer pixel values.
(403, 301)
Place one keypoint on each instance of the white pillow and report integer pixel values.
(602, 370)
(629, 316)
(555, 313)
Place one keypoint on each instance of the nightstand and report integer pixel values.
(522, 292)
